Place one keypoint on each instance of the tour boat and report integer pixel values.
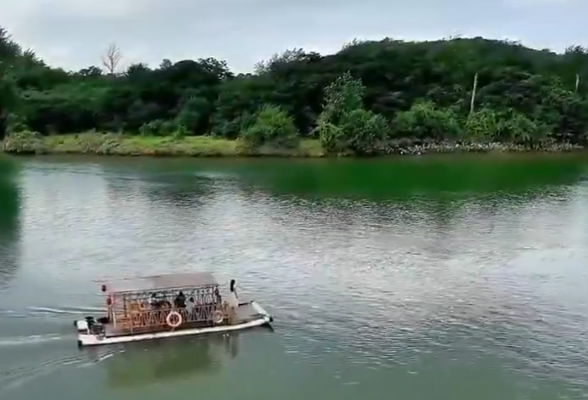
(166, 306)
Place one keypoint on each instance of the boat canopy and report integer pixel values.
(160, 282)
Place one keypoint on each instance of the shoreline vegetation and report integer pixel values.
(372, 98)
(109, 144)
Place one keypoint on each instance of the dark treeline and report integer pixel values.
(367, 98)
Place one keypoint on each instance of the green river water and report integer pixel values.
(460, 278)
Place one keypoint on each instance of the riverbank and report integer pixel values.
(163, 146)
(206, 146)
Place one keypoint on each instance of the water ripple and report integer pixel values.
(400, 295)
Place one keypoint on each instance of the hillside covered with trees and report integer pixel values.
(370, 97)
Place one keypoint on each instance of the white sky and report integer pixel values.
(74, 33)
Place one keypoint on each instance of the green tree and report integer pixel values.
(272, 126)
(344, 125)
(426, 121)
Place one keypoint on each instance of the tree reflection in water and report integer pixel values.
(9, 222)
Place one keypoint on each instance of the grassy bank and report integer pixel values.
(120, 145)
(205, 146)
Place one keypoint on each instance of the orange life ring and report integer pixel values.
(218, 317)
(169, 319)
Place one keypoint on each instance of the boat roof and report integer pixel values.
(161, 282)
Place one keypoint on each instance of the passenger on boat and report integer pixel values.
(180, 301)
(234, 289)
(190, 308)
(232, 300)
(153, 300)
(219, 299)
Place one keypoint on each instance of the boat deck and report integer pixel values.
(246, 312)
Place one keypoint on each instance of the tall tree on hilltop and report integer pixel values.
(112, 58)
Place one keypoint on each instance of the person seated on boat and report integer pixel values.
(217, 295)
(158, 301)
(190, 307)
(153, 302)
(180, 301)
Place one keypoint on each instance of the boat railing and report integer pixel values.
(145, 319)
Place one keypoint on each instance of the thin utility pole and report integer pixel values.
(474, 89)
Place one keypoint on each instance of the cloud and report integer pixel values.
(74, 33)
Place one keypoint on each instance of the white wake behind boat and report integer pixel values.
(167, 306)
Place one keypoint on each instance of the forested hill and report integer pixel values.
(363, 96)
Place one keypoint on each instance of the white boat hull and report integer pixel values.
(85, 339)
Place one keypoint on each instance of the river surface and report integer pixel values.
(420, 278)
